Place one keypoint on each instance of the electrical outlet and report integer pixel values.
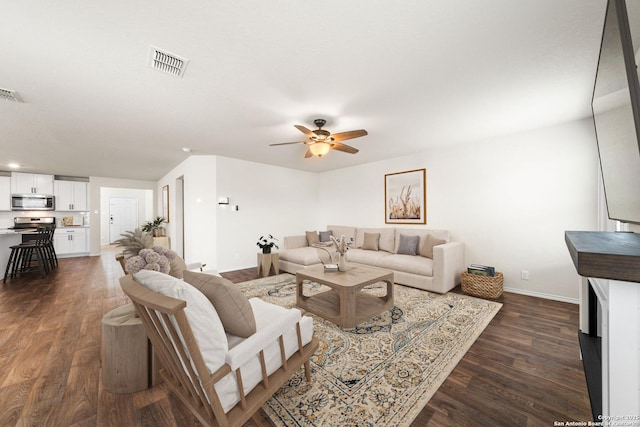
(524, 275)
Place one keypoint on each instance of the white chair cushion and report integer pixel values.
(203, 319)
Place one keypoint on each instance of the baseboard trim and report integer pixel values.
(542, 295)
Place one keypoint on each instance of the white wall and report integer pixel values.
(271, 200)
(509, 199)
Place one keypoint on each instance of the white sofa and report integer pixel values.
(438, 274)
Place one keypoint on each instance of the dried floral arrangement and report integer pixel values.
(134, 241)
(157, 258)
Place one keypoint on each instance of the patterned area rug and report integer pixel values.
(382, 372)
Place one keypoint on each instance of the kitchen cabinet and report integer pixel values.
(31, 183)
(69, 241)
(5, 193)
(70, 195)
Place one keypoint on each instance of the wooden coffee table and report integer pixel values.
(344, 304)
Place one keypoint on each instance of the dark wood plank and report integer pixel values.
(523, 370)
(605, 254)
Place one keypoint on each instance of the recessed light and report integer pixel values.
(186, 149)
(14, 165)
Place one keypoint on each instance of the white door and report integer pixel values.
(123, 216)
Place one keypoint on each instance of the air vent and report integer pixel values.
(9, 95)
(167, 62)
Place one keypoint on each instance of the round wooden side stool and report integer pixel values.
(125, 352)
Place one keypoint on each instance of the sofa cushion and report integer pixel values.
(426, 249)
(408, 245)
(325, 236)
(337, 231)
(203, 318)
(230, 304)
(312, 237)
(303, 256)
(178, 266)
(387, 238)
(371, 241)
(407, 264)
(362, 256)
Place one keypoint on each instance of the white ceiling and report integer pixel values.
(414, 74)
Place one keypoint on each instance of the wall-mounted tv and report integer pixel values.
(616, 110)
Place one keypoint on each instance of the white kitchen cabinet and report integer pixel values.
(31, 183)
(5, 193)
(71, 195)
(69, 241)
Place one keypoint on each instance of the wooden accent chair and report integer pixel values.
(207, 393)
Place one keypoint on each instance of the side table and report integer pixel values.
(265, 261)
(128, 361)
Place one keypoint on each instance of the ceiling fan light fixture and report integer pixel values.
(319, 148)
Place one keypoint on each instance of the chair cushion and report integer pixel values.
(203, 319)
(426, 249)
(232, 306)
(408, 245)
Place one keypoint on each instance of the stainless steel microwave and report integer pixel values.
(32, 202)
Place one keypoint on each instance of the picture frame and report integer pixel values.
(165, 203)
(405, 197)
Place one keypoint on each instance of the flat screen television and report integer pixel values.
(616, 110)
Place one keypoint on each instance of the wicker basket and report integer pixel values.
(482, 286)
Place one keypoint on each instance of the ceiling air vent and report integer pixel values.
(167, 62)
(9, 95)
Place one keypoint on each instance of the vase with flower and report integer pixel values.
(266, 243)
(341, 248)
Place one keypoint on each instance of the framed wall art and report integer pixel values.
(405, 197)
(165, 203)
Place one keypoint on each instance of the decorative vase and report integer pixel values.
(266, 249)
(342, 262)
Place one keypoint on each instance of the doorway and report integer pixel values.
(123, 216)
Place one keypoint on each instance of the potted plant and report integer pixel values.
(266, 243)
(154, 227)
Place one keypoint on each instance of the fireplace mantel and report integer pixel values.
(605, 254)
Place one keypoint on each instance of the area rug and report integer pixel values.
(382, 372)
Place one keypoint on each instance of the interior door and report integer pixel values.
(123, 216)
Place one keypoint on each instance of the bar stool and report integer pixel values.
(26, 256)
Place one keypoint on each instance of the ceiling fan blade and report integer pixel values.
(344, 147)
(304, 130)
(287, 143)
(308, 154)
(337, 137)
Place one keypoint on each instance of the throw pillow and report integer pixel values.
(408, 245)
(232, 306)
(371, 241)
(426, 250)
(178, 266)
(203, 319)
(312, 237)
(325, 236)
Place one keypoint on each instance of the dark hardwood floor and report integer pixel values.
(524, 369)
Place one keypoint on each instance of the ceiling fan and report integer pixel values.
(321, 141)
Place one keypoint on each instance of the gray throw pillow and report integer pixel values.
(408, 245)
(325, 236)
